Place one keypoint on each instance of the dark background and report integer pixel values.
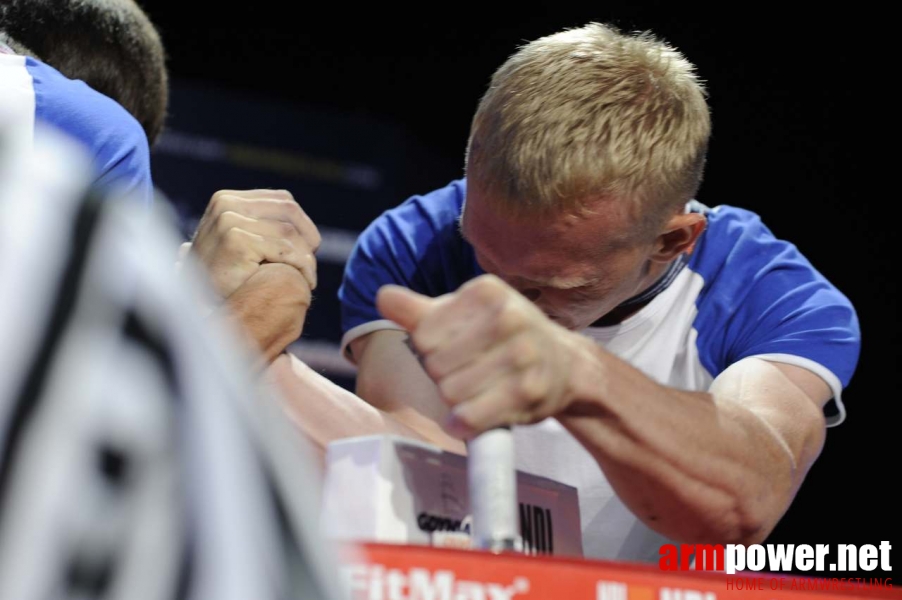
(790, 98)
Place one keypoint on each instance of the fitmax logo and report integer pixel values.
(376, 582)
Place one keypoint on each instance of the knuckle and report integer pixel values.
(525, 352)
(234, 238)
(316, 239)
(286, 229)
(309, 261)
(489, 286)
(532, 388)
(291, 207)
(489, 280)
(483, 291)
(494, 284)
(433, 367)
(449, 389)
(225, 220)
(510, 319)
(221, 201)
(218, 196)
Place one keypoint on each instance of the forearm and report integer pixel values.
(390, 378)
(269, 309)
(689, 466)
(324, 411)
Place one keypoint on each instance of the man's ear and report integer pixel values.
(679, 236)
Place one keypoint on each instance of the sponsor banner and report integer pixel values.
(396, 572)
(391, 489)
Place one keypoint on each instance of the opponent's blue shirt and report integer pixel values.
(32, 93)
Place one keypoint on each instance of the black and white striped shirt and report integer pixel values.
(137, 459)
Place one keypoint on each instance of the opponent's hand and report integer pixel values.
(495, 357)
(242, 230)
(272, 307)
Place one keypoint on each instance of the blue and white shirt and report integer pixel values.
(742, 293)
(33, 93)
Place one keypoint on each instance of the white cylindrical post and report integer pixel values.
(492, 484)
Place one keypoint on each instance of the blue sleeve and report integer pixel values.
(416, 245)
(762, 296)
(114, 138)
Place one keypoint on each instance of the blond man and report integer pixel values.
(677, 364)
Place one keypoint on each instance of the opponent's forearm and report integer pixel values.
(324, 411)
(270, 308)
(692, 469)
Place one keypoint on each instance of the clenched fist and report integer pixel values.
(258, 247)
(495, 357)
(240, 230)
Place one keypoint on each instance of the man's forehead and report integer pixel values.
(562, 253)
(601, 224)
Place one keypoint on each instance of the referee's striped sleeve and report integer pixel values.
(137, 458)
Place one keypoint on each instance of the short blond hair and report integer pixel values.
(591, 113)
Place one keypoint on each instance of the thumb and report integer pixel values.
(405, 307)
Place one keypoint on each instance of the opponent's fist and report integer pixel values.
(242, 230)
(272, 307)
